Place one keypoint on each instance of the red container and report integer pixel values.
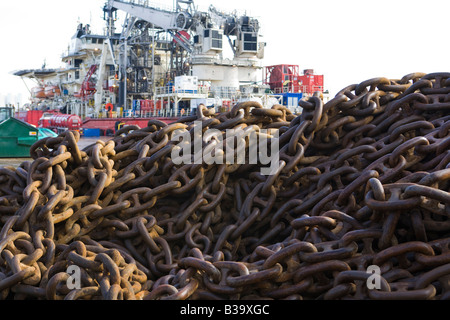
(285, 78)
(31, 116)
(310, 83)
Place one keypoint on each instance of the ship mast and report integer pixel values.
(110, 16)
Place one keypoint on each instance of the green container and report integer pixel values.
(16, 138)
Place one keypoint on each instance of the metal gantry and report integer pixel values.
(158, 44)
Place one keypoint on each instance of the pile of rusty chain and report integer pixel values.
(363, 181)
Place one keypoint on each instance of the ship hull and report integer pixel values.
(110, 125)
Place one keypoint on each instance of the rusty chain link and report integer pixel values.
(363, 180)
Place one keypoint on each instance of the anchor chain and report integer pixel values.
(363, 180)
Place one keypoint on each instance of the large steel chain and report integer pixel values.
(363, 181)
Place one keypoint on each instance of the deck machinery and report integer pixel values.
(157, 45)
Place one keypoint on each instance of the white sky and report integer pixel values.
(347, 41)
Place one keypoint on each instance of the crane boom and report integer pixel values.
(163, 19)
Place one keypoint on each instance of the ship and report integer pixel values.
(162, 65)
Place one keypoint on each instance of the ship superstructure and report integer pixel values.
(164, 51)
(162, 63)
(88, 69)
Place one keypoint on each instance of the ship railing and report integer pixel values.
(318, 88)
(161, 113)
(302, 89)
(104, 115)
(171, 90)
(289, 89)
(142, 114)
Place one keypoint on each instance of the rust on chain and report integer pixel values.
(363, 180)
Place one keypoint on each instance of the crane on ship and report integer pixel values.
(194, 40)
